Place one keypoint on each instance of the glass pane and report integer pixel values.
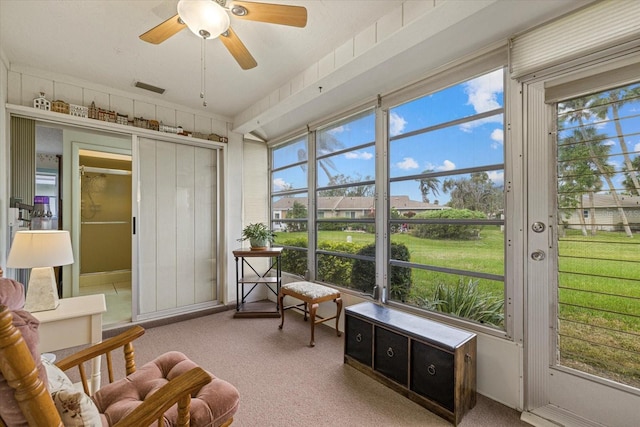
(478, 300)
(350, 167)
(292, 178)
(347, 133)
(294, 261)
(479, 95)
(345, 237)
(336, 270)
(598, 259)
(289, 213)
(289, 154)
(468, 145)
(478, 248)
(479, 191)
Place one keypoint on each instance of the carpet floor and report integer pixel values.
(283, 382)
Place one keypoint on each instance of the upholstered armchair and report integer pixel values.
(170, 390)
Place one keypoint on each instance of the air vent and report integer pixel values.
(149, 87)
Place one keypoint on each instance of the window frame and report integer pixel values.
(457, 72)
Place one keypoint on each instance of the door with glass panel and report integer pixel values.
(593, 268)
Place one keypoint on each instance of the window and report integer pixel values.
(446, 215)
(345, 173)
(444, 224)
(289, 202)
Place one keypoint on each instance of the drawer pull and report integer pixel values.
(390, 352)
(359, 338)
(431, 369)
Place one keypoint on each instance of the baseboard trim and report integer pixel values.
(113, 330)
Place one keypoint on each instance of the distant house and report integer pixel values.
(603, 214)
(349, 207)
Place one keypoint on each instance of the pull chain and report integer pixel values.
(203, 88)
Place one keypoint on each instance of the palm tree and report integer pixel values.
(429, 185)
(576, 173)
(615, 99)
(580, 112)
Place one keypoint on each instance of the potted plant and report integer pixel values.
(258, 235)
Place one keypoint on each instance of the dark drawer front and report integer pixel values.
(432, 374)
(391, 355)
(358, 340)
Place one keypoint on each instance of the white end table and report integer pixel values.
(76, 321)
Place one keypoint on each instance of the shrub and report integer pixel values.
(449, 231)
(363, 273)
(292, 260)
(467, 301)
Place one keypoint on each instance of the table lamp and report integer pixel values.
(41, 250)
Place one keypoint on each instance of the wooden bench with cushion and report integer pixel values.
(311, 295)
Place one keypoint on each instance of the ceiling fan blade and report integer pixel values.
(238, 50)
(295, 16)
(163, 31)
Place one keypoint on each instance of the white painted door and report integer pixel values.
(572, 277)
(177, 228)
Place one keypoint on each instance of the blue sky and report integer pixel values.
(470, 144)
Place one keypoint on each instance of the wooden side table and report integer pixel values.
(76, 321)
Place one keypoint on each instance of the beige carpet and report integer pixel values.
(283, 382)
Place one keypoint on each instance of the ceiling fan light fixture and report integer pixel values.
(205, 18)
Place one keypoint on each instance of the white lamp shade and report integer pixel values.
(40, 248)
(204, 15)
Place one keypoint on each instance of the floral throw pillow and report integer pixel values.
(56, 377)
(76, 408)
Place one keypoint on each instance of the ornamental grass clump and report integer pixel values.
(467, 301)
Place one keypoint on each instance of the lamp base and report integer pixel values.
(42, 292)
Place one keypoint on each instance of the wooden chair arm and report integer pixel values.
(177, 390)
(124, 340)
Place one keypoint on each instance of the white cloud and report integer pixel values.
(447, 165)
(636, 147)
(609, 143)
(497, 177)
(358, 155)
(338, 129)
(483, 91)
(498, 137)
(407, 163)
(396, 124)
(280, 184)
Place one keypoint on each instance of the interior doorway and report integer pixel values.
(105, 238)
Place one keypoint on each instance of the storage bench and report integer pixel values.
(430, 363)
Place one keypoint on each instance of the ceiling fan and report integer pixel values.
(209, 19)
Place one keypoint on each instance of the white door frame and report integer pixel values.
(553, 392)
(79, 142)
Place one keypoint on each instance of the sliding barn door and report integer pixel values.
(177, 228)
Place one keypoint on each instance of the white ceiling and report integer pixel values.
(98, 41)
